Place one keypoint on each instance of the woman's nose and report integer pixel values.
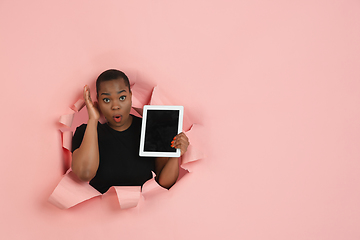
(115, 106)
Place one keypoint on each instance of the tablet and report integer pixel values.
(160, 124)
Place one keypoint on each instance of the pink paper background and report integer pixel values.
(276, 85)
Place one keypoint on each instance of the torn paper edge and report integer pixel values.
(71, 191)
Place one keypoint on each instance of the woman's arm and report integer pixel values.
(85, 159)
(167, 169)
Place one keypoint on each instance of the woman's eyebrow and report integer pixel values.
(108, 94)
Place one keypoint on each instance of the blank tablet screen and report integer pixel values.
(161, 128)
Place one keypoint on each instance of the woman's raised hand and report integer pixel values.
(180, 141)
(92, 108)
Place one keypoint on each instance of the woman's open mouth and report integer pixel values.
(117, 118)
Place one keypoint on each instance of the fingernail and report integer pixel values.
(174, 138)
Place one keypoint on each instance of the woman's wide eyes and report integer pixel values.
(107, 100)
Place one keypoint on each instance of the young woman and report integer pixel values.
(108, 154)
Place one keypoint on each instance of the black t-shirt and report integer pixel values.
(119, 160)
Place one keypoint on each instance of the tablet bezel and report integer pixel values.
(143, 153)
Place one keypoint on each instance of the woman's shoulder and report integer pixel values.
(81, 128)
(136, 118)
(136, 122)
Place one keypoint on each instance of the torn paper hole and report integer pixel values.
(71, 191)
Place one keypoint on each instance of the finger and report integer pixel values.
(87, 96)
(182, 135)
(180, 144)
(176, 143)
(85, 92)
(182, 148)
(181, 139)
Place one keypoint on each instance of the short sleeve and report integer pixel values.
(78, 137)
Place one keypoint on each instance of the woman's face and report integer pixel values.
(114, 101)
